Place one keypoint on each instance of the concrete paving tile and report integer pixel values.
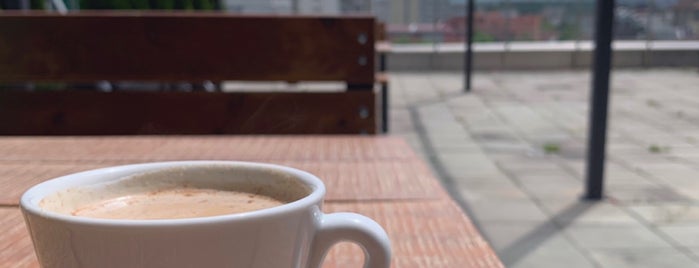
(528, 164)
(686, 151)
(498, 130)
(643, 258)
(532, 244)
(440, 130)
(604, 236)
(687, 236)
(506, 210)
(551, 177)
(494, 133)
(577, 166)
(504, 236)
(650, 194)
(465, 101)
(612, 181)
(551, 256)
(449, 144)
(506, 147)
(554, 190)
(434, 112)
(400, 121)
(694, 160)
(642, 161)
(695, 251)
(574, 210)
(495, 179)
(668, 213)
(672, 173)
(691, 194)
(467, 164)
(617, 174)
(413, 140)
(491, 191)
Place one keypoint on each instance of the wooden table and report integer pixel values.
(380, 177)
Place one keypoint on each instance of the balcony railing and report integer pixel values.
(503, 21)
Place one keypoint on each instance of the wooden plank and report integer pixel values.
(434, 233)
(423, 233)
(184, 46)
(344, 181)
(16, 248)
(124, 113)
(129, 149)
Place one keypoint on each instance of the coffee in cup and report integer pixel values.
(174, 193)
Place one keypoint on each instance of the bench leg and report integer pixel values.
(382, 62)
(384, 107)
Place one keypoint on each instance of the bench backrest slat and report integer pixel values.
(184, 47)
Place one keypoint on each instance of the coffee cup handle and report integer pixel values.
(355, 228)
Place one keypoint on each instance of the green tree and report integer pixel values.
(483, 37)
(121, 4)
(139, 4)
(184, 4)
(567, 31)
(205, 4)
(37, 4)
(162, 4)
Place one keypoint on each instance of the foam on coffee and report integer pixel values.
(176, 203)
(185, 192)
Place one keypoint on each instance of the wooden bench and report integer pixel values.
(175, 47)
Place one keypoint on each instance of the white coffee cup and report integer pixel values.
(295, 234)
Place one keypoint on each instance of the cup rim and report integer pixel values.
(29, 202)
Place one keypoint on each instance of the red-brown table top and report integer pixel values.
(378, 176)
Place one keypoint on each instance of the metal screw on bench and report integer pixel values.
(362, 38)
(362, 60)
(363, 112)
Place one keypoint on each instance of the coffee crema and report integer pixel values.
(177, 203)
(177, 193)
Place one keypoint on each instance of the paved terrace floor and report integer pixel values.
(512, 153)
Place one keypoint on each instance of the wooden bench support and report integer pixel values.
(123, 113)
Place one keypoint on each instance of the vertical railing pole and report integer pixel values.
(468, 56)
(599, 99)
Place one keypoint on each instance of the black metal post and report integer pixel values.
(384, 106)
(468, 56)
(599, 99)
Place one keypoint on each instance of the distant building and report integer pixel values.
(404, 12)
(495, 26)
(354, 6)
(382, 9)
(257, 6)
(687, 18)
(327, 7)
(418, 32)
